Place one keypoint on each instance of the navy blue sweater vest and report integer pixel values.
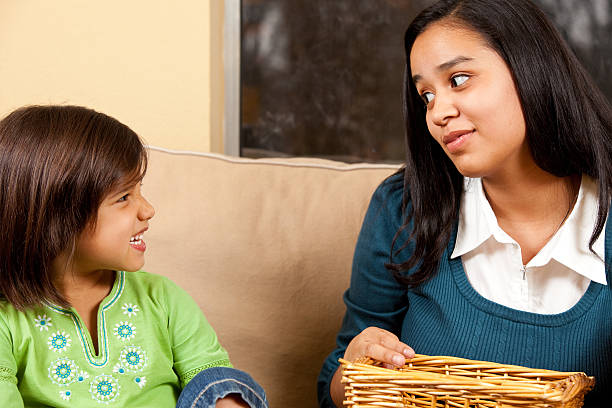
(446, 316)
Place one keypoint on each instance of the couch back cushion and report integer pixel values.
(265, 248)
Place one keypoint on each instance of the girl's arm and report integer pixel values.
(375, 302)
(9, 393)
(202, 363)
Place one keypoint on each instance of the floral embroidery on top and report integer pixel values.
(59, 341)
(141, 381)
(104, 388)
(63, 371)
(130, 309)
(125, 330)
(119, 369)
(133, 359)
(43, 322)
(82, 376)
(65, 394)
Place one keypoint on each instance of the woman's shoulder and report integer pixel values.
(387, 208)
(391, 189)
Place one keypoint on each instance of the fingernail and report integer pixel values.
(408, 352)
(398, 360)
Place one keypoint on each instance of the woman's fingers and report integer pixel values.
(380, 345)
(381, 353)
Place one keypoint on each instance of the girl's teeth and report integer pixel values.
(136, 239)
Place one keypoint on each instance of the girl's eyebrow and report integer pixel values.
(445, 66)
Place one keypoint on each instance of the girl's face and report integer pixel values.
(116, 241)
(473, 109)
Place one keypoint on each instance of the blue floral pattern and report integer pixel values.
(82, 376)
(43, 322)
(133, 359)
(104, 388)
(59, 341)
(63, 371)
(140, 381)
(118, 369)
(66, 394)
(130, 309)
(125, 331)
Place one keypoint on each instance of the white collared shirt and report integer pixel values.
(554, 280)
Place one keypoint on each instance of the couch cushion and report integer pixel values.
(265, 248)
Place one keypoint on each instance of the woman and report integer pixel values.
(492, 242)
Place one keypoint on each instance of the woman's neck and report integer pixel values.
(532, 206)
(533, 196)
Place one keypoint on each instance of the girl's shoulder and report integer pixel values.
(152, 285)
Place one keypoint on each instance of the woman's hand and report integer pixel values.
(231, 401)
(376, 343)
(380, 345)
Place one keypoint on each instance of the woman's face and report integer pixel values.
(473, 109)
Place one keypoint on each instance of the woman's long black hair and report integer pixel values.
(568, 123)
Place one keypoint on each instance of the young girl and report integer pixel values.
(78, 325)
(492, 242)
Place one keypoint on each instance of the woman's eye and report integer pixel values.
(427, 97)
(123, 198)
(459, 80)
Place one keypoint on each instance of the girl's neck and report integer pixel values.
(79, 286)
(89, 288)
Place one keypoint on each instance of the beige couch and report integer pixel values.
(265, 248)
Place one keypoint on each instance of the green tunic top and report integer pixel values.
(152, 339)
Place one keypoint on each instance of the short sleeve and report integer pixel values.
(195, 346)
(374, 297)
(9, 393)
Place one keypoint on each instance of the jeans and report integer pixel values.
(215, 383)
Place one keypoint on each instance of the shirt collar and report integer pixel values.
(562, 246)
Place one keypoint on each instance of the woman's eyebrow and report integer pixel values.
(445, 66)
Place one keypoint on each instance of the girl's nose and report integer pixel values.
(443, 109)
(146, 211)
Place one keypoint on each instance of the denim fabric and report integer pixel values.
(214, 383)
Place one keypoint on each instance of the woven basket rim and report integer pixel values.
(458, 379)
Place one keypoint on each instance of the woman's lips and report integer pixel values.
(454, 141)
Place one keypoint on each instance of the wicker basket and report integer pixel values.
(445, 382)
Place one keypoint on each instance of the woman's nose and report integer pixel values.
(443, 109)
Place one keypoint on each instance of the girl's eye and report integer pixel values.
(123, 198)
(427, 97)
(458, 80)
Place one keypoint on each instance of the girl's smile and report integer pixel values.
(137, 242)
(115, 242)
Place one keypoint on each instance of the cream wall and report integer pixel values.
(154, 65)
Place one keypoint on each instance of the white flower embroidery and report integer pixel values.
(141, 381)
(43, 322)
(130, 309)
(118, 369)
(125, 330)
(66, 394)
(59, 341)
(104, 388)
(63, 371)
(133, 359)
(82, 376)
